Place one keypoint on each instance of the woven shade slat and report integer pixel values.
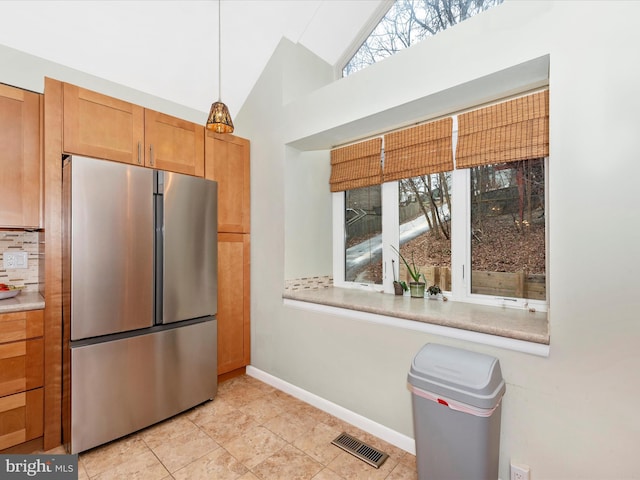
(420, 150)
(506, 132)
(356, 166)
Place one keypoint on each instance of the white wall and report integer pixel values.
(571, 415)
(307, 240)
(23, 70)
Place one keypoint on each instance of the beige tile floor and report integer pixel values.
(249, 431)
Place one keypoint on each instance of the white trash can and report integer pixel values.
(456, 413)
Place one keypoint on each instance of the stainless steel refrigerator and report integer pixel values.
(139, 298)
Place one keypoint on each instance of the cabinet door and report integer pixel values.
(233, 302)
(227, 162)
(21, 417)
(19, 157)
(174, 144)
(99, 126)
(16, 326)
(21, 366)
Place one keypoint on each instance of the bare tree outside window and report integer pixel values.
(508, 254)
(507, 240)
(410, 21)
(425, 226)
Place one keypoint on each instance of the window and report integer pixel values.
(508, 256)
(476, 227)
(410, 21)
(356, 172)
(363, 235)
(424, 227)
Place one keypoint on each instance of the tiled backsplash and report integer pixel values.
(21, 241)
(308, 283)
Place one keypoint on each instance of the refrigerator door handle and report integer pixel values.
(158, 206)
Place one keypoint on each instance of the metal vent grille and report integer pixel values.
(364, 452)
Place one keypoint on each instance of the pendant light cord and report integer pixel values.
(219, 53)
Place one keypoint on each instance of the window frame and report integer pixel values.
(461, 279)
(369, 28)
(460, 242)
(390, 236)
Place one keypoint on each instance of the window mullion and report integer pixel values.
(338, 205)
(460, 225)
(390, 232)
(460, 221)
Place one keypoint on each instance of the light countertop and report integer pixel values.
(21, 302)
(505, 322)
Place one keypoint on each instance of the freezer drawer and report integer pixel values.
(124, 385)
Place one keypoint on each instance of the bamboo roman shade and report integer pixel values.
(420, 150)
(356, 166)
(506, 132)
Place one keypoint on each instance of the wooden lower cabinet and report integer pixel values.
(21, 366)
(21, 325)
(234, 345)
(21, 378)
(21, 417)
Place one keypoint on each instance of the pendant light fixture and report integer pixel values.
(219, 119)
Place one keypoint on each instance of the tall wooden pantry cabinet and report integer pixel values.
(227, 161)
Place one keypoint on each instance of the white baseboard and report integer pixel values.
(385, 433)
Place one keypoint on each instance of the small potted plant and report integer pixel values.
(434, 292)
(416, 287)
(399, 287)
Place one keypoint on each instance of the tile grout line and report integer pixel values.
(266, 410)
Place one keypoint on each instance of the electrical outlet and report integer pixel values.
(519, 472)
(14, 260)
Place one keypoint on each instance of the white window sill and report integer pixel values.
(509, 328)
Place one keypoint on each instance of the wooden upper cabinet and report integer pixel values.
(173, 144)
(227, 161)
(19, 157)
(100, 126)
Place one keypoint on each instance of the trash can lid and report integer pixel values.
(461, 375)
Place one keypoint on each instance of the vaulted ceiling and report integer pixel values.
(169, 48)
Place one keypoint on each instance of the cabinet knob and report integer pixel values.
(151, 155)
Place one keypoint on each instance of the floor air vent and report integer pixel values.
(361, 450)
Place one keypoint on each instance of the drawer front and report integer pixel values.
(21, 325)
(21, 418)
(21, 366)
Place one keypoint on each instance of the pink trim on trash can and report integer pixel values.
(452, 404)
